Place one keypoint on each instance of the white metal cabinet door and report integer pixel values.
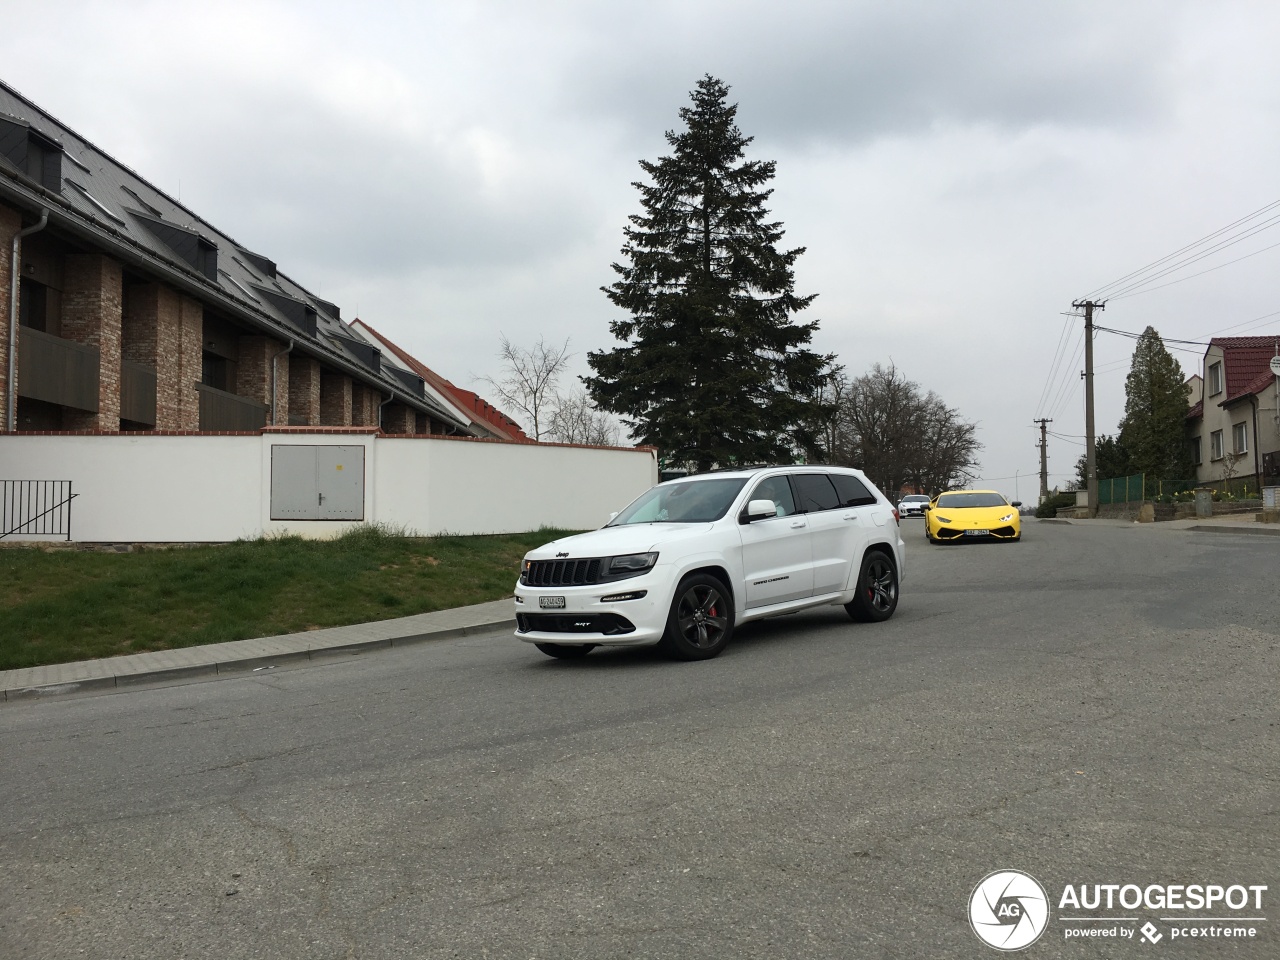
(340, 483)
(293, 482)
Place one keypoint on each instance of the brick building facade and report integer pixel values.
(127, 312)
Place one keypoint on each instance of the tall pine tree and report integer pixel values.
(712, 370)
(1153, 432)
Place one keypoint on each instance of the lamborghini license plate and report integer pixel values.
(977, 533)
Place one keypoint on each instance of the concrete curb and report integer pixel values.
(1261, 530)
(235, 659)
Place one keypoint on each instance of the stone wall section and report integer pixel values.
(364, 405)
(398, 418)
(253, 374)
(189, 364)
(91, 315)
(304, 390)
(335, 399)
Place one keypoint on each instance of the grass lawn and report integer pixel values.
(63, 605)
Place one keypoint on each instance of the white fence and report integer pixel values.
(144, 488)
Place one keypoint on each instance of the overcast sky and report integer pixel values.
(959, 172)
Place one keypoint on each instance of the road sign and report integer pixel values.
(1275, 366)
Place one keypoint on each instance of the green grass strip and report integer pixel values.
(62, 605)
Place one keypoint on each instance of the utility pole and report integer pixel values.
(1044, 459)
(1091, 458)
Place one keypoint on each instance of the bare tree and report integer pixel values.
(575, 419)
(899, 436)
(530, 380)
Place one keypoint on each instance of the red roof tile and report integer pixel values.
(1246, 362)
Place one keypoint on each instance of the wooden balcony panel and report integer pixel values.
(57, 371)
(220, 410)
(137, 393)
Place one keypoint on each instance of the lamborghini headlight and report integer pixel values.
(1007, 518)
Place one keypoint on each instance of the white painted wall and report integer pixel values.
(156, 489)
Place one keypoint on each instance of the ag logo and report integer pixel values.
(1009, 910)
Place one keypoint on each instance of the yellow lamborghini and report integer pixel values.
(972, 515)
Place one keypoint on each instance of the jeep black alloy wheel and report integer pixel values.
(877, 594)
(701, 619)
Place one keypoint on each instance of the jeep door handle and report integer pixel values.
(797, 524)
(851, 516)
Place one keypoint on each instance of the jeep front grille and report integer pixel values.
(562, 573)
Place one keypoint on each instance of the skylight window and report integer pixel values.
(239, 286)
(78, 162)
(146, 206)
(96, 202)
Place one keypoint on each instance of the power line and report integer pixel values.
(1053, 367)
(1221, 245)
(1191, 246)
(1125, 296)
(1247, 323)
(1138, 336)
(1067, 381)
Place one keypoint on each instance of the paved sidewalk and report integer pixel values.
(1237, 523)
(241, 657)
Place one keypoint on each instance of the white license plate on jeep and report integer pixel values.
(977, 533)
(551, 603)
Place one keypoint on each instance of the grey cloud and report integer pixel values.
(294, 176)
(858, 73)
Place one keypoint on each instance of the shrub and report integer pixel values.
(1050, 506)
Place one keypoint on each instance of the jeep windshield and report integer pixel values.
(688, 501)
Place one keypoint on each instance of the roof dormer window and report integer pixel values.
(34, 154)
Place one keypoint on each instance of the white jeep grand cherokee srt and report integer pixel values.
(691, 559)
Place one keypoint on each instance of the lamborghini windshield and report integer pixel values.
(688, 501)
(952, 501)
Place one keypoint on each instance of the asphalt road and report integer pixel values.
(1093, 705)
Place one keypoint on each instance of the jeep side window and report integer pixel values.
(852, 491)
(778, 490)
(816, 492)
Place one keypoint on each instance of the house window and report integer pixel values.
(1215, 378)
(1215, 445)
(1240, 438)
(1195, 451)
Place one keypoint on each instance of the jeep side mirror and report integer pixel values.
(760, 510)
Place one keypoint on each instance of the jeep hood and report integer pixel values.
(621, 540)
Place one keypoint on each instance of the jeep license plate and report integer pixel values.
(977, 533)
(551, 603)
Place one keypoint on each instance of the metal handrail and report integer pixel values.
(21, 499)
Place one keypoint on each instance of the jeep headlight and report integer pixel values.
(630, 565)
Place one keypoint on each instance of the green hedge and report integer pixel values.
(1049, 508)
